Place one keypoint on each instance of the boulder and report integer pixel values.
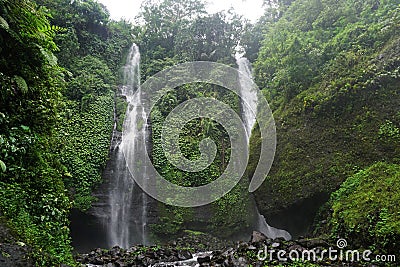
(257, 237)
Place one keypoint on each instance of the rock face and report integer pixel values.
(257, 237)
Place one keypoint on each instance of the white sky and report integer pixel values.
(128, 9)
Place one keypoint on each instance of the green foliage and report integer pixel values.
(120, 109)
(175, 32)
(179, 31)
(85, 141)
(50, 147)
(92, 48)
(41, 223)
(92, 78)
(173, 220)
(32, 193)
(89, 31)
(365, 208)
(330, 73)
(389, 130)
(311, 35)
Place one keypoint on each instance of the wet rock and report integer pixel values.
(297, 248)
(184, 255)
(242, 262)
(257, 237)
(312, 243)
(98, 260)
(204, 259)
(119, 263)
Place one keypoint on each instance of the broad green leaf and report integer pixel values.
(3, 23)
(21, 244)
(3, 166)
(25, 128)
(49, 56)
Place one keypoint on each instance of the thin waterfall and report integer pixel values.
(247, 92)
(249, 104)
(128, 203)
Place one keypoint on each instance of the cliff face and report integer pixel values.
(336, 111)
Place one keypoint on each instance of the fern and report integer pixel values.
(50, 30)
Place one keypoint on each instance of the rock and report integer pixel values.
(257, 237)
(167, 252)
(203, 259)
(172, 258)
(151, 255)
(242, 261)
(140, 257)
(242, 247)
(115, 251)
(119, 263)
(312, 243)
(296, 247)
(98, 260)
(184, 255)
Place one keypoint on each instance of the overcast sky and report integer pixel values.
(128, 9)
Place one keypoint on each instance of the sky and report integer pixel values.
(128, 9)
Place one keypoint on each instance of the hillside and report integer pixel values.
(331, 73)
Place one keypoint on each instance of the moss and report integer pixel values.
(366, 208)
(330, 131)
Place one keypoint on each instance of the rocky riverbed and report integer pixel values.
(203, 250)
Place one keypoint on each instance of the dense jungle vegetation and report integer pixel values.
(329, 69)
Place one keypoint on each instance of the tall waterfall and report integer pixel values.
(249, 95)
(128, 203)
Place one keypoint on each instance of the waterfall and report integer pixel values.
(249, 94)
(127, 202)
(249, 102)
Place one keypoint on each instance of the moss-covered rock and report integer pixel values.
(366, 208)
(341, 113)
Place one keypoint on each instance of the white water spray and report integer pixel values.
(249, 102)
(128, 203)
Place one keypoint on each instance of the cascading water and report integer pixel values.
(127, 202)
(249, 105)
